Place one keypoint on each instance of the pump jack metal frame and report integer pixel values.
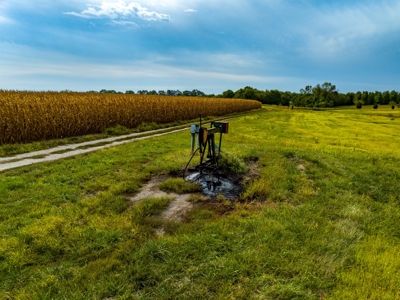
(209, 151)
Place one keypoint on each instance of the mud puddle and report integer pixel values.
(228, 186)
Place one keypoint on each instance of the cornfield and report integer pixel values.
(34, 116)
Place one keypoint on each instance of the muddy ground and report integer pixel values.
(230, 189)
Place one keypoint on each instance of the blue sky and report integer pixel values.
(210, 45)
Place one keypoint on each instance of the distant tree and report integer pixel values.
(228, 94)
(325, 95)
(129, 92)
(286, 98)
(394, 97)
(186, 93)
(359, 103)
(272, 97)
(246, 93)
(307, 90)
(385, 97)
(196, 93)
(378, 98)
(357, 96)
(350, 98)
(104, 91)
(365, 98)
(342, 99)
(161, 92)
(305, 98)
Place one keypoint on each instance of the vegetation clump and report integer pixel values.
(231, 163)
(179, 186)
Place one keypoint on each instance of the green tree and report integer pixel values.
(385, 97)
(272, 97)
(228, 94)
(394, 97)
(350, 98)
(359, 103)
(325, 95)
(286, 98)
(365, 98)
(246, 93)
(306, 97)
(196, 93)
(104, 91)
(378, 98)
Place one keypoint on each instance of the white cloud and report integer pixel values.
(115, 10)
(190, 10)
(125, 23)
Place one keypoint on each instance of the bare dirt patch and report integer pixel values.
(151, 190)
(253, 171)
(177, 209)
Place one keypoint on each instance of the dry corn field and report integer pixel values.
(34, 116)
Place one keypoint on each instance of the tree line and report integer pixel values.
(319, 96)
(193, 93)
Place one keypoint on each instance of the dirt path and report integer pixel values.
(64, 151)
(30, 158)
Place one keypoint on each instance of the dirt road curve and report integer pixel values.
(59, 152)
(25, 159)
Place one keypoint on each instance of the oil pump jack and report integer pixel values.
(208, 143)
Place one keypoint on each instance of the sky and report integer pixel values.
(209, 45)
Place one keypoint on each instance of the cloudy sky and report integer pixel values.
(210, 45)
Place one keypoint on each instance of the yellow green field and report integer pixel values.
(320, 221)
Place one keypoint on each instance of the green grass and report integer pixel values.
(321, 221)
(180, 186)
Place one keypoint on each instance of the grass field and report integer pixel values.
(321, 221)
